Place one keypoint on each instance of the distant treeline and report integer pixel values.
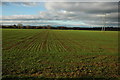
(62, 27)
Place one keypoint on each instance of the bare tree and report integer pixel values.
(20, 25)
(48, 27)
(28, 26)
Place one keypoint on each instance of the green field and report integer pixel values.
(59, 53)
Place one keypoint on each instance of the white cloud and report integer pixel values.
(26, 4)
(84, 12)
(21, 17)
(60, 0)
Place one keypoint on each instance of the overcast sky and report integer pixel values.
(71, 14)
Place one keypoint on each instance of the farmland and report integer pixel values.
(59, 53)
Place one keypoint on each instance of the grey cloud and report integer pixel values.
(89, 7)
(76, 11)
(86, 11)
(60, 0)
